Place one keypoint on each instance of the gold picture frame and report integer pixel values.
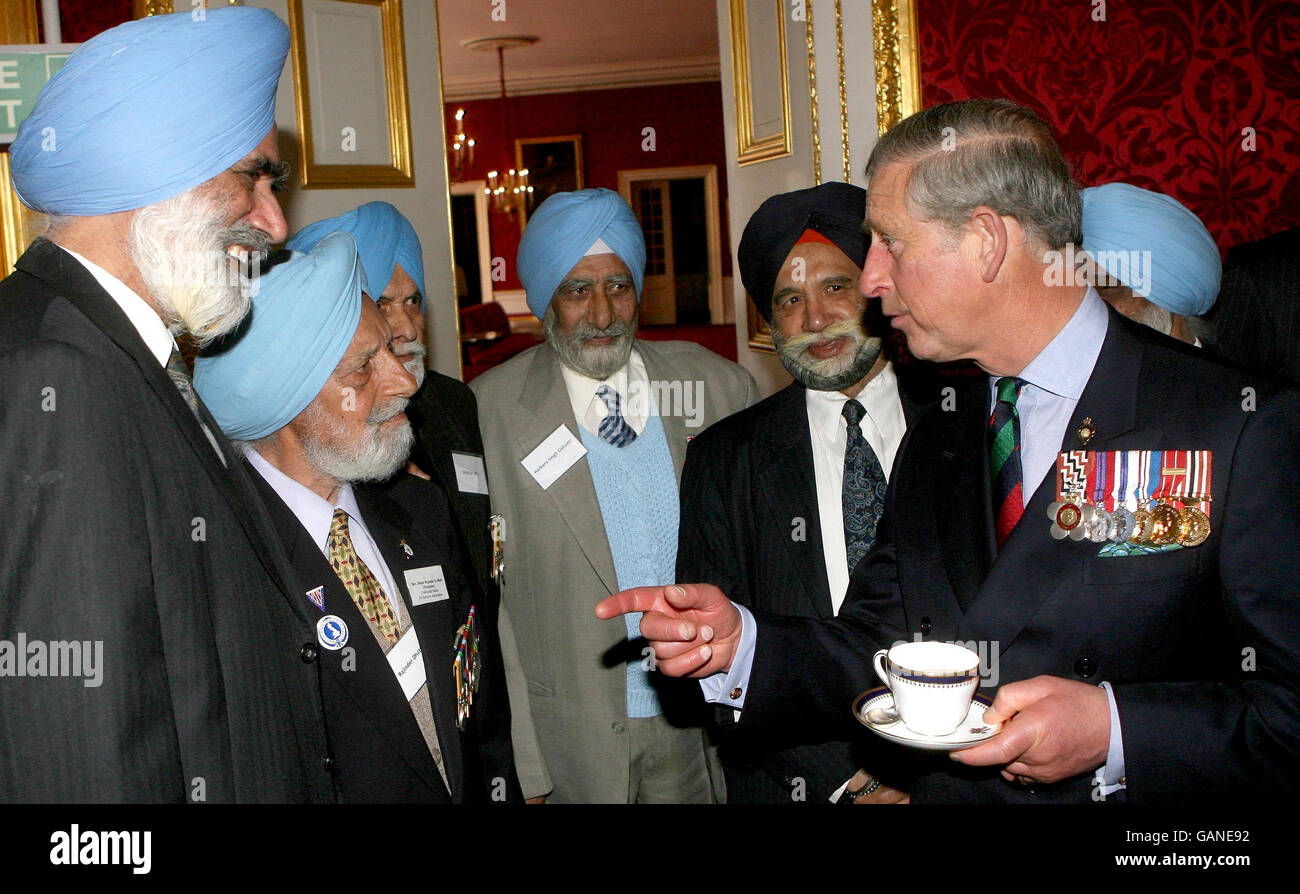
(400, 171)
(18, 223)
(895, 36)
(895, 40)
(751, 147)
(565, 175)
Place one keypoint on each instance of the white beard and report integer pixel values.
(179, 246)
(375, 458)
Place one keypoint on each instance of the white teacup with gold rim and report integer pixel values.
(932, 683)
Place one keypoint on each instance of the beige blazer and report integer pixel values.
(557, 559)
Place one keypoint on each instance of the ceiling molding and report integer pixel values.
(586, 77)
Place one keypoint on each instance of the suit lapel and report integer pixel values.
(68, 278)
(542, 400)
(435, 623)
(369, 680)
(1032, 566)
(783, 469)
(964, 501)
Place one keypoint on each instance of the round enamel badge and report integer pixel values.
(332, 632)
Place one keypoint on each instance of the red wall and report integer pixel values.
(1157, 94)
(687, 119)
(83, 19)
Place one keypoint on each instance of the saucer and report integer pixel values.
(972, 730)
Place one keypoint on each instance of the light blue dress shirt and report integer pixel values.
(1055, 382)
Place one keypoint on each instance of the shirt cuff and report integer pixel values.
(728, 688)
(1110, 776)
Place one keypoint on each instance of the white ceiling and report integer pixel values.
(585, 45)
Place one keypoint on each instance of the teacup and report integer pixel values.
(932, 683)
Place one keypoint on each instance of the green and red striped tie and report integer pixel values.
(1004, 458)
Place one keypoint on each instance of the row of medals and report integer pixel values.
(1161, 525)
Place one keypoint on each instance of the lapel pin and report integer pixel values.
(406, 548)
(1086, 432)
(317, 597)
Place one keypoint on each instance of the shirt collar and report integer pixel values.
(313, 511)
(1065, 365)
(143, 317)
(582, 391)
(826, 407)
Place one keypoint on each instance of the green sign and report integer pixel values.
(24, 70)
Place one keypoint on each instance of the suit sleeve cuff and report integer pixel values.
(728, 688)
(1110, 776)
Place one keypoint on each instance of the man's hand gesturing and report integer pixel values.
(693, 628)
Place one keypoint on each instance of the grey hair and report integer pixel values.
(988, 152)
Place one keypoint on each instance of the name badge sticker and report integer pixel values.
(407, 662)
(471, 474)
(426, 584)
(553, 457)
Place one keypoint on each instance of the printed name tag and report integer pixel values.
(408, 664)
(554, 456)
(426, 585)
(471, 476)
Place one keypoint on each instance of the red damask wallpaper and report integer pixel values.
(83, 19)
(1158, 94)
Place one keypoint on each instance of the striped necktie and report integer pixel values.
(1004, 458)
(862, 493)
(180, 377)
(614, 428)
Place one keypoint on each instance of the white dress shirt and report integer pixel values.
(143, 317)
(883, 426)
(633, 387)
(316, 514)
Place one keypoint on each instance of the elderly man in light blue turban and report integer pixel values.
(153, 154)
(390, 252)
(311, 381)
(287, 381)
(1161, 262)
(584, 439)
(153, 151)
(572, 240)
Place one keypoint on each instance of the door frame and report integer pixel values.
(712, 221)
(478, 189)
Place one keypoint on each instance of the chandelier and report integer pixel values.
(510, 191)
(462, 149)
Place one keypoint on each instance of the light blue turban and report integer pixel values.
(561, 230)
(1184, 263)
(304, 316)
(384, 238)
(149, 109)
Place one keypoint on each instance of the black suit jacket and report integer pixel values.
(1257, 316)
(747, 483)
(379, 754)
(123, 527)
(444, 416)
(1199, 644)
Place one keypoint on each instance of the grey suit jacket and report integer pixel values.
(558, 563)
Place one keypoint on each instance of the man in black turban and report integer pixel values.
(783, 498)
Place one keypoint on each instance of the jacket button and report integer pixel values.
(1085, 667)
(618, 726)
(327, 763)
(308, 653)
(926, 626)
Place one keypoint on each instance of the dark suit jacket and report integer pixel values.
(1199, 644)
(123, 527)
(1257, 316)
(379, 754)
(444, 416)
(745, 481)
